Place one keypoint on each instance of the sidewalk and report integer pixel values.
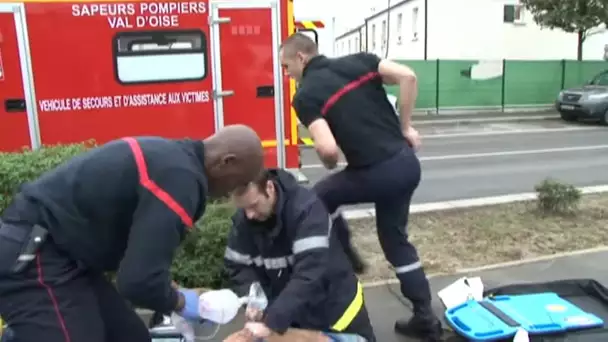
(384, 307)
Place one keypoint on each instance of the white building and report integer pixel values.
(462, 29)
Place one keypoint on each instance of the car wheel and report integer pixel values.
(604, 119)
(568, 116)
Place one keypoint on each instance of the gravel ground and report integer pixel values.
(463, 238)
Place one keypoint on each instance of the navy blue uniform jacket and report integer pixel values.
(348, 92)
(123, 206)
(296, 258)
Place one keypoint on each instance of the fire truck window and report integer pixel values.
(160, 56)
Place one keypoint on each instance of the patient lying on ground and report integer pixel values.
(291, 335)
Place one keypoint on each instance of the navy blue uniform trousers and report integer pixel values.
(55, 300)
(390, 185)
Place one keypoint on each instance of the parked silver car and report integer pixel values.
(588, 102)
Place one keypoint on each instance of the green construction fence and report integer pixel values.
(495, 84)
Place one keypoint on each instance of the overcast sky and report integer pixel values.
(327, 9)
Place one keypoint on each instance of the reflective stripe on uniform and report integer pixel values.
(408, 268)
(278, 263)
(239, 258)
(268, 263)
(335, 214)
(313, 242)
(351, 311)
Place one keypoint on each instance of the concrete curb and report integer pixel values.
(378, 283)
(356, 214)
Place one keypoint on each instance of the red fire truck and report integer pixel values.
(73, 71)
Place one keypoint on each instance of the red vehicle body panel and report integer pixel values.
(249, 74)
(104, 70)
(14, 132)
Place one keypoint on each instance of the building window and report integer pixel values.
(513, 14)
(357, 46)
(399, 27)
(349, 47)
(342, 52)
(415, 23)
(160, 56)
(383, 37)
(373, 37)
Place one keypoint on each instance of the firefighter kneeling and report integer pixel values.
(282, 238)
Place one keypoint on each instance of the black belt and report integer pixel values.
(25, 241)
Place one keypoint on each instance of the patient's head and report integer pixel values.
(258, 198)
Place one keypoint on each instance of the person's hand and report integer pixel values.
(253, 315)
(190, 310)
(200, 290)
(413, 137)
(259, 330)
(243, 335)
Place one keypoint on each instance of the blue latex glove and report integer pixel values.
(190, 310)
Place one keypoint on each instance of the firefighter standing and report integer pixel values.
(344, 105)
(281, 238)
(125, 207)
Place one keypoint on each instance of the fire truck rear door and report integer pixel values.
(247, 76)
(17, 120)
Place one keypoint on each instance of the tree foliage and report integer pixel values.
(569, 15)
(582, 17)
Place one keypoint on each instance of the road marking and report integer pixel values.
(519, 131)
(489, 154)
(309, 141)
(491, 119)
(355, 214)
(514, 153)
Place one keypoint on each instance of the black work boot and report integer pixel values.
(427, 328)
(359, 266)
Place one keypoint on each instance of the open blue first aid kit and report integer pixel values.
(501, 317)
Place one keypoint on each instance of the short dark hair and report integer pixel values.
(260, 183)
(299, 42)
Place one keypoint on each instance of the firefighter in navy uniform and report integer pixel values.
(281, 238)
(345, 107)
(124, 206)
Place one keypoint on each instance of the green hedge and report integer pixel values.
(199, 261)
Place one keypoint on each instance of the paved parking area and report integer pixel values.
(386, 305)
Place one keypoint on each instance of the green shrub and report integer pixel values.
(198, 262)
(555, 197)
(18, 168)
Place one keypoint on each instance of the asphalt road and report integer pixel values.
(490, 159)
